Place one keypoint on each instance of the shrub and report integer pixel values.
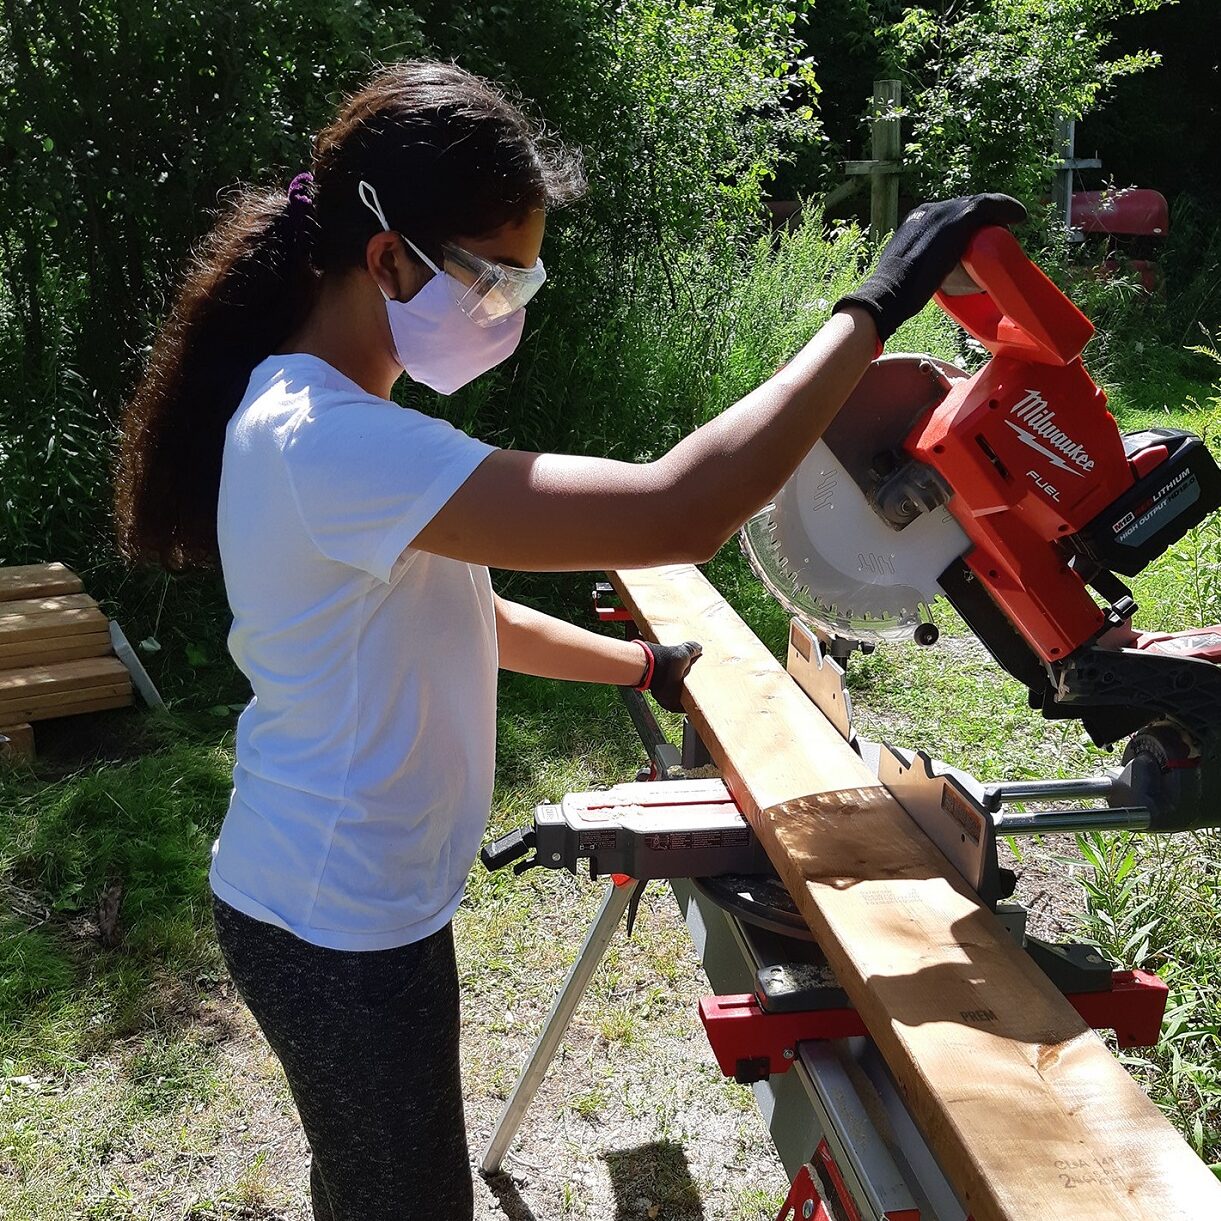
(104, 189)
(988, 80)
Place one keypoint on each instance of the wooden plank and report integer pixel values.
(69, 703)
(1028, 1113)
(56, 648)
(40, 626)
(60, 676)
(37, 580)
(45, 627)
(864, 168)
(50, 697)
(47, 604)
(16, 741)
(120, 698)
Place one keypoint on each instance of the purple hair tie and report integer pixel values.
(300, 195)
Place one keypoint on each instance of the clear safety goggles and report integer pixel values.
(486, 292)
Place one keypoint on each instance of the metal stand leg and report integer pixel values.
(575, 983)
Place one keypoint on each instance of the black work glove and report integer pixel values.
(923, 251)
(670, 665)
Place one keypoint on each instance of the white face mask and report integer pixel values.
(438, 345)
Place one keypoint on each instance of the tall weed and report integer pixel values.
(1155, 902)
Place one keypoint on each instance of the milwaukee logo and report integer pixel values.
(1041, 434)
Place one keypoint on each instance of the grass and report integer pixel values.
(112, 1064)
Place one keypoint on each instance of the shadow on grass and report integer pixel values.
(651, 1176)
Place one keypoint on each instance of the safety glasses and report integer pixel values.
(486, 292)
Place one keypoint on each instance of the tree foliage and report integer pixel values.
(120, 122)
(988, 81)
(122, 125)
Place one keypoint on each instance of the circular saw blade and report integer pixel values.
(821, 548)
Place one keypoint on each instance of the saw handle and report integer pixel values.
(1019, 312)
(509, 848)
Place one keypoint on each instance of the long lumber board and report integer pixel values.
(1029, 1114)
(66, 688)
(50, 618)
(53, 649)
(63, 676)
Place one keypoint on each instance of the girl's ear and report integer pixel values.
(398, 276)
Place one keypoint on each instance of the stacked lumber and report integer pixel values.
(1029, 1115)
(56, 657)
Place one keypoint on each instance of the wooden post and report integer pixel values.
(1067, 165)
(1062, 188)
(886, 164)
(887, 148)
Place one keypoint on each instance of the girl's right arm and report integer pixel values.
(546, 511)
(554, 512)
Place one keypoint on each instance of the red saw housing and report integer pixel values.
(1041, 480)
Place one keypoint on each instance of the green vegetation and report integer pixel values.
(107, 1050)
(990, 81)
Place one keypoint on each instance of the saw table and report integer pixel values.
(780, 1019)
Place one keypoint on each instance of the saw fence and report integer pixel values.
(1027, 1111)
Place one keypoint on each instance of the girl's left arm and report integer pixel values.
(533, 643)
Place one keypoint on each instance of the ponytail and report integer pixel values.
(449, 155)
(250, 286)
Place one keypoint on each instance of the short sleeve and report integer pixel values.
(369, 476)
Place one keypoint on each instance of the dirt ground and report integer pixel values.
(634, 1120)
(641, 1126)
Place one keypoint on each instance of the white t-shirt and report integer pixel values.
(364, 762)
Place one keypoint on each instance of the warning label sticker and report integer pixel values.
(677, 841)
(592, 841)
(962, 812)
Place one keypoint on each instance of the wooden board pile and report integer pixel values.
(56, 657)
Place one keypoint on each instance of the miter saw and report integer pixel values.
(1012, 493)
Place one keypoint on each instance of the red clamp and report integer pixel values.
(751, 1044)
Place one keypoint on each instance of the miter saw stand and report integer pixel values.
(779, 1021)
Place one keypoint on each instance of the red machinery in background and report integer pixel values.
(1126, 227)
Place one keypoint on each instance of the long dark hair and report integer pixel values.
(448, 154)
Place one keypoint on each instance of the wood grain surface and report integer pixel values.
(1029, 1114)
(66, 688)
(49, 618)
(35, 580)
(38, 652)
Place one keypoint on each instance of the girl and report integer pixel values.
(355, 538)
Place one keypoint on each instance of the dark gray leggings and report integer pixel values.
(369, 1043)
